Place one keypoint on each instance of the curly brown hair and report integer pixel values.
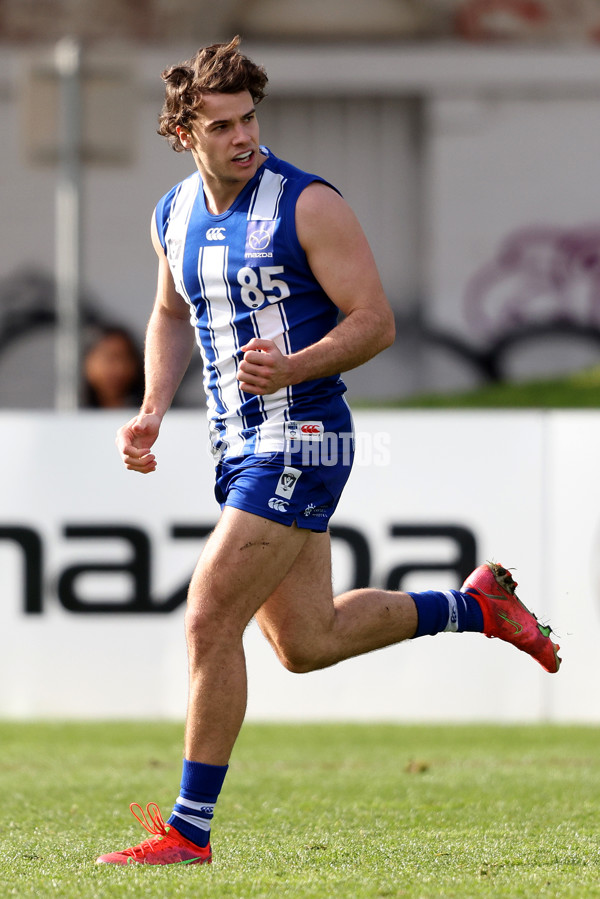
(218, 68)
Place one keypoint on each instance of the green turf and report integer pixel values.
(311, 811)
(580, 390)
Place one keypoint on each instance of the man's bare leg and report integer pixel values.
(242, 564)
(309, 628)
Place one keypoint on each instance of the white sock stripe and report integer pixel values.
(200, 823)
(452, 625)
(206, 807)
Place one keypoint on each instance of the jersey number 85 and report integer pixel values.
(271, 289)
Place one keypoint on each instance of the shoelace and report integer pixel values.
(152, 821)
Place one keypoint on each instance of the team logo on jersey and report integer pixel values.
(215, 234)
(174, 248)
(287, 482)
(259, 240)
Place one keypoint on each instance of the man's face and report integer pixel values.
(225, 138)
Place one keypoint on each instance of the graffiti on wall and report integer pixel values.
(540, 274)
(542, 283)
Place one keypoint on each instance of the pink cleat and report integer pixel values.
(505, 616)
(166, 847)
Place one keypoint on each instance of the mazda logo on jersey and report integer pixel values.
(259, 239)
(215, 234)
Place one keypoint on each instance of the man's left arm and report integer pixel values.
(342, 262)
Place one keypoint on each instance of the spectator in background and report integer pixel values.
(113, 371)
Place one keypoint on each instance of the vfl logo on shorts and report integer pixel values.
(287, 482)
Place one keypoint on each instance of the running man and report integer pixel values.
(262, 257)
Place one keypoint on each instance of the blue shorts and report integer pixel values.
(302, 485)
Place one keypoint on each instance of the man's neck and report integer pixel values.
(220, 195)
(220, 200)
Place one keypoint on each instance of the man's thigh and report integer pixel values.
(301, 606)
(243, 562)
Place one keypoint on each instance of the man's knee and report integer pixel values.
(295, 655)
(298, 662)
(209, 629)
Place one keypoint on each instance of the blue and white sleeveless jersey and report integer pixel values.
(244, 275)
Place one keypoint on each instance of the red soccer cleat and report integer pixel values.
(166, 847)
(505, 616)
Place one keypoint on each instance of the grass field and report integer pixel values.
(311, 811)
(579, 390)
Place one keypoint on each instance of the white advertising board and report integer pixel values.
(94, 561)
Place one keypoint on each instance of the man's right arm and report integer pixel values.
(168, 350)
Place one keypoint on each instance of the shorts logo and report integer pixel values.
(313, 511)
(215, 234)
(287, 482)
(280, 505)
(259, 240)
(304, 430)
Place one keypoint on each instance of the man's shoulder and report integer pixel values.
(186, 183)
(179, 196)
(282, 166)
(301, 177)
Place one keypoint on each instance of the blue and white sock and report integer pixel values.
(450, 611)
(194, 809)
